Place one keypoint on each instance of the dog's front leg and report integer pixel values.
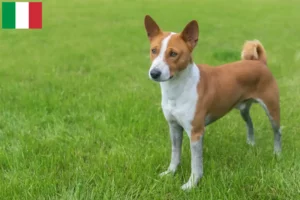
(196, 142)
(176, 132)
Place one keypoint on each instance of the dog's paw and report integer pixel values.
(168, 172)
(192, 182)
(188, 186)
(251, 142)
(277, 153)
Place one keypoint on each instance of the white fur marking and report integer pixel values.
(159, 62)
(180, 96)
(265, 108)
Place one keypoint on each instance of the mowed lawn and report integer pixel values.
(80, 119)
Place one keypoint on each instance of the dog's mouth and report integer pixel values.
(159, 80)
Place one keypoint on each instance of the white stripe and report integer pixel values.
(164, 45)
(159, 62)
(22, 15)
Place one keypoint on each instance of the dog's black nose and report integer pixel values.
(155, 73)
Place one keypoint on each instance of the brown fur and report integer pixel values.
(182, 44)
(156, 44)
(224, 87)
(183, 58)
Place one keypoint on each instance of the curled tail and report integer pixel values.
(254, 50)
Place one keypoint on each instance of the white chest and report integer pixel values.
(183, 114)
(180, 97)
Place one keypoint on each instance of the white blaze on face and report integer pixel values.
(159, 63)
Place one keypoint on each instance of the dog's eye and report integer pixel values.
(153, 51)
(173, 54)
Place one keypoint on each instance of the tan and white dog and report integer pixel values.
(194, 96)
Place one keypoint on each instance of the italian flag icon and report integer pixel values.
(21, 15)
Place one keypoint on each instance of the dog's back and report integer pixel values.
(232, 84)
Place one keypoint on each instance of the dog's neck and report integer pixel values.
(181, 82)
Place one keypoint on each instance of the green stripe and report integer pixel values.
(8, 15)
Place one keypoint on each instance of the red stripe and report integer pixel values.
(35, 15)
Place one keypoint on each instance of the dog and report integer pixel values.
(194, 96)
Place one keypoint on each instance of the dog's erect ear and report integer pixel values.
(190, 34)
(151, 27)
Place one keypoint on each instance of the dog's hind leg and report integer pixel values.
(176, 134)
(245, 113)
(272, 108)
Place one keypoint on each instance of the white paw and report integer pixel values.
(168, 172)
(277, 152)
(192, 182)
(171, 170)
(189, 185)
(251, 142)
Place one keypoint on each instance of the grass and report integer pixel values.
(79, 118)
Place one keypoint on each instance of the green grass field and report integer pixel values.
(79, 118)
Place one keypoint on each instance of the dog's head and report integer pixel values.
(170, 53)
